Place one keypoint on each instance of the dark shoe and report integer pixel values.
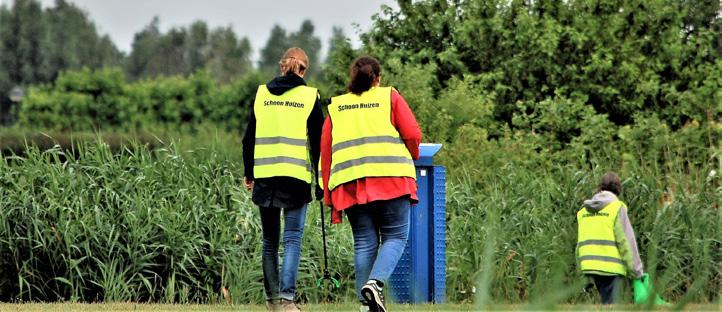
(371, 292)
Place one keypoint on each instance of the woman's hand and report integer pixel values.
(248, 183)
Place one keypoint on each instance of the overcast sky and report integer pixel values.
(121, 19)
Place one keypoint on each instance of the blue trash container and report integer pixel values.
(420, 276)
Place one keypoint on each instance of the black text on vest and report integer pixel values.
(357, 106)
(283, 103)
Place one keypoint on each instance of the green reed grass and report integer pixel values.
(174, 225)
(167, 225)
(526, 215)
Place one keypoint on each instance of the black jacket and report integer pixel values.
(283, 192)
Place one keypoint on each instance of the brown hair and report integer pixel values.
(293, 61)
(610, 182)
(365, 71)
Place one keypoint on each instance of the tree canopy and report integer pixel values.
(619, 57)
(36, 44)
(279, 41)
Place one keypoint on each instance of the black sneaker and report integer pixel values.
(371, 292)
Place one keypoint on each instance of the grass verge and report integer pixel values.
(112, 307)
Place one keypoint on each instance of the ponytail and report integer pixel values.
(365, 71)
(294, 61)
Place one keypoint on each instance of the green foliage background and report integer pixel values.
(90, 100)
(533, 101)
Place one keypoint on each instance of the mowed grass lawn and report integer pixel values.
(112, 307)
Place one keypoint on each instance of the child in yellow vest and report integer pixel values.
(606, 246)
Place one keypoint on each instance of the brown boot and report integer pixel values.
(288, 306)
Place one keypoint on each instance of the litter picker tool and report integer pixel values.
(326, 275)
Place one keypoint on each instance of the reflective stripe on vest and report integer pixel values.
(597, 247)
(365, 143)
(280, 148)
(319, 178)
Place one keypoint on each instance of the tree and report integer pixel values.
(228, 57)
(340, 56)
(621, 58)
(183, 51)
(170, 57)
(276, 45)
(72, 42)
(108, 53)
(197, 45)
(145, 45)
(279, 42)
(22, 39)
(6, 83)
(36, 45)
(305, 39)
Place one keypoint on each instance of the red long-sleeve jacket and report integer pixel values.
(366, 190)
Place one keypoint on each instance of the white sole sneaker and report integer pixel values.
(372, 294)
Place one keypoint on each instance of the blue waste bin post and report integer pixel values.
(420, 276)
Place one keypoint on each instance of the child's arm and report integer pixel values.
(627, 244)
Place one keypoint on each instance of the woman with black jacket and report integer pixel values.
(281, 148)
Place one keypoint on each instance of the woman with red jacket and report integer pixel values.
(368, 144)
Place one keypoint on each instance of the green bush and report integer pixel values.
(102, 99)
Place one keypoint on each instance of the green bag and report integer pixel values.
(659, 301)
(641, 291)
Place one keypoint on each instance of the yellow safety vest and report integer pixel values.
(364, 142)
(597, 247)
(319, 178)
(281, 147)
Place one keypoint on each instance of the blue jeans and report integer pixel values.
(387, 220)
(294, 218)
